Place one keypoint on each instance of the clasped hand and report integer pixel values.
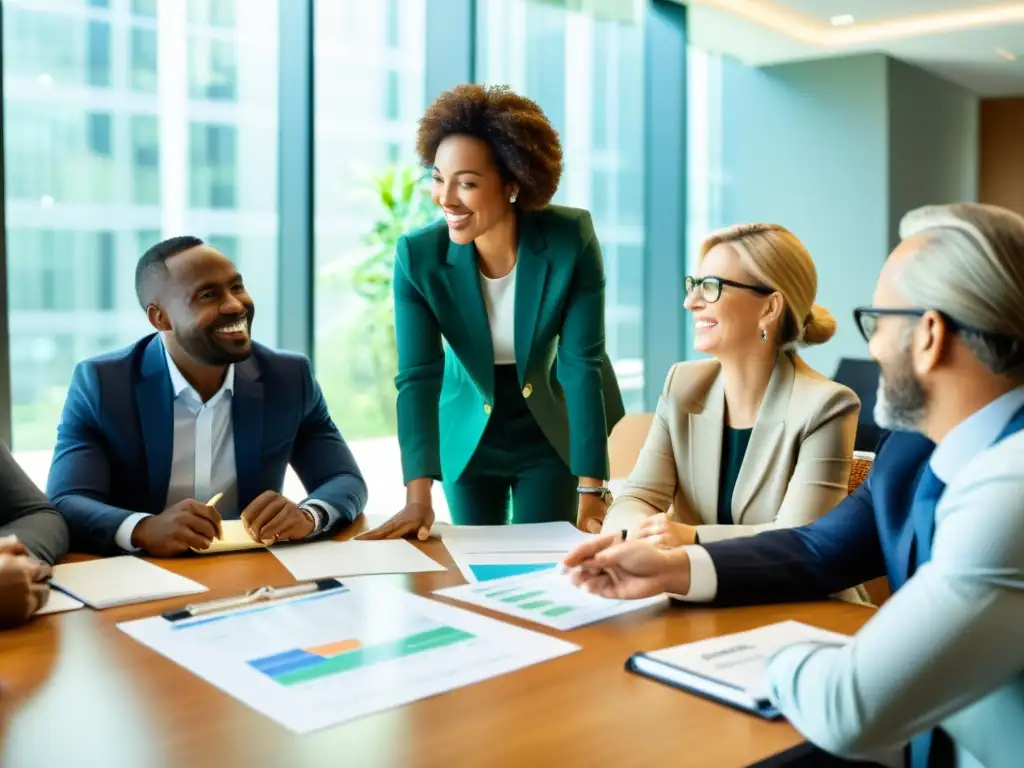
(188, 524)
(661, 531)
(23, 587)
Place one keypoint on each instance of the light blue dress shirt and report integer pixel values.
(946, 649)
(203, 456)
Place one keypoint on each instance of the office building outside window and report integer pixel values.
(369, 74)
(586, 73)
(127, 121)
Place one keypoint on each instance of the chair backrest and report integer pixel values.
(625, 442)
(878, 589)
(862, 377)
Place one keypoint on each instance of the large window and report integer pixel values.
(125, 122)
(369, 94)
(586, 73)
(369, 74)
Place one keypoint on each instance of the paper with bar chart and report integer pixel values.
(326, 658)
(499, 565)
(545, 597)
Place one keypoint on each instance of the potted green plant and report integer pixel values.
(404, 205)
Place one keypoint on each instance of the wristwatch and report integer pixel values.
(596, 490)
(316, 516)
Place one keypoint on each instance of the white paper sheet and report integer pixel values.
(58, 602)
(531, 537)
(123, 580)
(499, 565)
(545, 597)
(324, 559)
(326, 658)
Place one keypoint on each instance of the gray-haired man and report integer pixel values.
(941, 665)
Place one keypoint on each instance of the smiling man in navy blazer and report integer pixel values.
(151, 433)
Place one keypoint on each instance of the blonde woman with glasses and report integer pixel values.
(753, 438)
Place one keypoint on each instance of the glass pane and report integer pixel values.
(586, 74)
(369, 69)
(107, 152)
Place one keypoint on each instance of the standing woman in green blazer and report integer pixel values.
(505, 390)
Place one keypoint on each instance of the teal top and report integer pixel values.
(734, 447)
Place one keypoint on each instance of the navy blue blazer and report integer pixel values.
(859, 540)
(115, 439)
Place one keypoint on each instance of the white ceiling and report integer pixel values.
(956, 39)
(880, 10)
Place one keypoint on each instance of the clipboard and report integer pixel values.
(693, 682)
(252, 597)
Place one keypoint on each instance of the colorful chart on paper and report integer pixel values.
(303, 665)
(546, 597)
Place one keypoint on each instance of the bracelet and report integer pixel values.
(595, 490)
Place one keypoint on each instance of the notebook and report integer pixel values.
(58, 602)
(234, 539)
(730, 669)
(123, 580)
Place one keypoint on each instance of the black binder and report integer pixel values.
(701, 685)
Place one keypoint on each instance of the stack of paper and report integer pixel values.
(325, 559)
(485, 552)
(121, 580)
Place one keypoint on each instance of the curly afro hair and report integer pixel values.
(526, 146)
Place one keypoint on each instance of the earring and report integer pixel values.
(764, 336)
(513, 199)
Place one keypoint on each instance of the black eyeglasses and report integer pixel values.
(866, 319)
(711, 287)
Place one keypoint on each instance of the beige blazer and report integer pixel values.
(795, 469)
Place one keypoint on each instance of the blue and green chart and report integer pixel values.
(326, 658)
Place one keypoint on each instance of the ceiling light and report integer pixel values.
(843, 20)
(1002, 53)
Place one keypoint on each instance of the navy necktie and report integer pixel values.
(932, 749)
(922, 517)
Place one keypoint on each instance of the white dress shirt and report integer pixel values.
(500, 299)
(203, 456)
(946, 648)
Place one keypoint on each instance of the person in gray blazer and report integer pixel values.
(939, 670)
(32, 537)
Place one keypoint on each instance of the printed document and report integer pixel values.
(499, 565)
(739, 660)
(322, 659)
(545, 597)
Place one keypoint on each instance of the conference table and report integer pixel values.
(78, 691)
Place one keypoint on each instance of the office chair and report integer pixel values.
(862, 377)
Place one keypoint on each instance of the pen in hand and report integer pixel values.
(212, 504)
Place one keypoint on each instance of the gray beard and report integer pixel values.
(904, 416)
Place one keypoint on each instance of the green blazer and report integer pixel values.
(446, 362)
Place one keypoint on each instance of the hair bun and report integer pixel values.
(819, 326)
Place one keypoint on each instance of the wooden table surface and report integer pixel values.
(77, 691)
